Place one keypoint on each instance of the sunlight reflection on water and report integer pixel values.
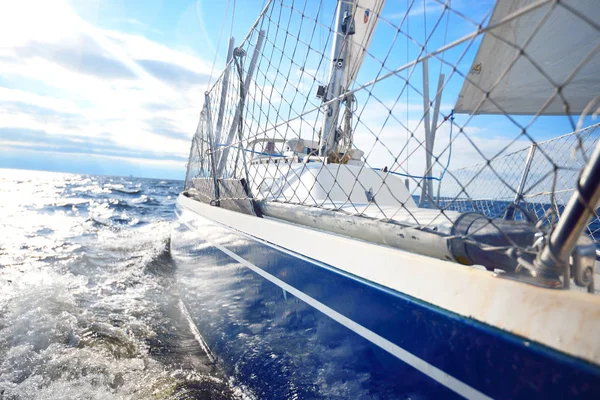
(87, 298)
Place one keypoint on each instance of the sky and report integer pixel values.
(115, 87)
(106, 87)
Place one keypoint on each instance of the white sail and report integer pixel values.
(558, 47)
(366, 15)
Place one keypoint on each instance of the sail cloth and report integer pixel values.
(558, 47)
(366, 14)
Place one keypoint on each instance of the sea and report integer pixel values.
(88, 301)
(89, 304)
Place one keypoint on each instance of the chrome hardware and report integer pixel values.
(239, 52)
(553, 261)
(348, 24)
(584, 263)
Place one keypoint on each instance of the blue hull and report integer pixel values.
(286, 326)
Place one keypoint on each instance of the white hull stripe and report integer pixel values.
(421, 365)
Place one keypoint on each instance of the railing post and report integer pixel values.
(553, 261)
(510, 211)
(224, 88)
(427, 126)
(212, 146)
(432, 133)
(188, 166)
(238, 111)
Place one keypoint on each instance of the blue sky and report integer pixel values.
(115, 86)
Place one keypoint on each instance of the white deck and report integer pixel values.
(327, 185)
(344, 187)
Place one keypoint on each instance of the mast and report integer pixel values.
(344, 23)
(356, 21)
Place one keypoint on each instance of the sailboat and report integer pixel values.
(330, 244)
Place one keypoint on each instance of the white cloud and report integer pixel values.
(77, 80)
(139, 24)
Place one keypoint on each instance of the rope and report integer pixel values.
(212, 68)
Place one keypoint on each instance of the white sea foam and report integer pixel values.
(86, 308)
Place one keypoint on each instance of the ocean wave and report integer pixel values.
(146, 200)
(99, 221)
(88, 305)
(119, 204)
(120, 188)
(162, 263)
(127, 191)
(70, 202)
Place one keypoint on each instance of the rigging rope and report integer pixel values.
(212, 68)
(446, 118)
